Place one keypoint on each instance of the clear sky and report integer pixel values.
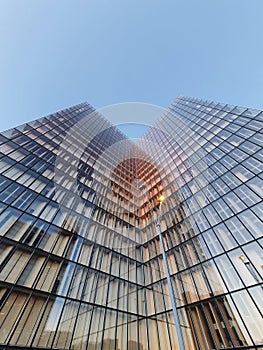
(57, 53)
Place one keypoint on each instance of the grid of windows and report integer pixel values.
(218, 266)
(95, 277)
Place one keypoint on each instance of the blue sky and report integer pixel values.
(58, 53)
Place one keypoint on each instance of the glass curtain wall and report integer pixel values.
(80, 258)
(212, 221)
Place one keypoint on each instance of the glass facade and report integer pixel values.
(81, 264)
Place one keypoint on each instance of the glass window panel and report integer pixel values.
(186, 331)
(11, 193)
(225, 236)
(244, 267)
(66, 325)
(29, 321)
(234, 202)
(239, 155)
(200, 329)
(48, 323)
(96, 329)
(106, 259)
(224, 312)
(214, 324)
(150, 305)
(4, 182)
(64, 278)
(253, 165)
(79, 341)
(228, 273)
(121, 334)
(173, 333)
(24, 199)
(14, 266)
(255, 125)
(132, 298)
(212, 242)
(201, 221)
(252, 223)
(250, 147)
(247, 195)
(228, 162)
(250, 315)
(122, 297)
(49, 212)
(89, 289)
(6, 163)
(251, 113)
(259, 155)
(19, 154)
(31, 271)
(238, 230)
(256, 184)
(5, 249)
(78, 282)
(61, 243)
(223, 209)
(220, 187)
(35, 233)
(172, 263)
(15, 171)
(9, 314)
(132, 332)
(158, 297)
(163, 332)
(245, 133)
(201, 282)
(256, 294)
(242, 173)
(73, 249)
(214, 278)
(142, 334)
(48, 276)
(37, 206)
(49, 238)
(153, 334)
(258, 209)
(189, 287)
(20, 227)
(113, 293)
(232, 181)
(201, 248)
(211, 215)
(254, 261)
(102, 289)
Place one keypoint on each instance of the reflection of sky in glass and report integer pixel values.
(54, 315)
(133, 130)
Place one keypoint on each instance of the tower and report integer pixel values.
(81, 262)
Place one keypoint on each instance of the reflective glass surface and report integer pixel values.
(81, 261)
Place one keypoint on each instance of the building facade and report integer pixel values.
(81, 261)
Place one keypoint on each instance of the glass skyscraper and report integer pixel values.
(82, 228)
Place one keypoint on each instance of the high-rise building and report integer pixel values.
(91, 258)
